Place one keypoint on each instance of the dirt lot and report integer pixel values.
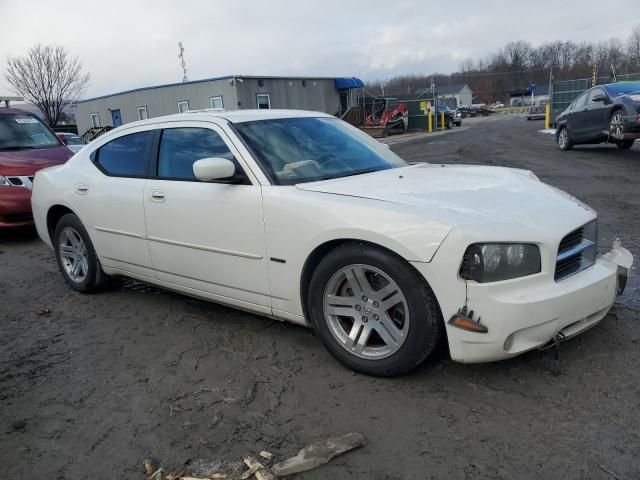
(89, 389)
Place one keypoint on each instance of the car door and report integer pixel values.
(110, 200)
(206, 236)
(576, 118)
(595, 113)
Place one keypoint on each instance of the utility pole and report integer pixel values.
(594, 75)
(183, 63)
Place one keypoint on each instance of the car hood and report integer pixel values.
(465, 194)
(28, 162)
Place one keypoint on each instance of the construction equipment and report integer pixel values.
(388, 113)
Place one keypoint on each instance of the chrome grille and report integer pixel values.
(577, 251)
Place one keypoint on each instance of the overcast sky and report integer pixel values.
(133, 43)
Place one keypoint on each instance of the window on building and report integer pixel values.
(125, 156)
(216, 102)
(95, 120)
(264, 101)
(181, 147)
(142, 113)
(183, 106)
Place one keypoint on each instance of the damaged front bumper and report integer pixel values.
(528, 313)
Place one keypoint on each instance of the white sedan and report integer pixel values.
(302, 217)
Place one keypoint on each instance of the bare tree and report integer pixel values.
(633, 47)
(49, 77)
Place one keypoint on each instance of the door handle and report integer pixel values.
(82, 189)
(157, 195)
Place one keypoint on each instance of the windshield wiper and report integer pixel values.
(351, 174)
(18, 147)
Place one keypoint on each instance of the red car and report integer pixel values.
(26, 146)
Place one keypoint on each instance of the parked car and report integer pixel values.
(605, 113)
(74, 142)
(26, 145)
(302, 217)
(538, 111)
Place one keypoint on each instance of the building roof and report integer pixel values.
(444, 89)
(226, 77)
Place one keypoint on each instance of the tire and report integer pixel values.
(625, 144)
(362, 332)
(563, 139)
(616, 123)
(77, 259)
(449, 124)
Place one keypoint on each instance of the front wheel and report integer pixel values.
(616, 124)
(625, 144)
(564, 140)
(76, 256)
(373, 312)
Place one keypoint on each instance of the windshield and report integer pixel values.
(298, 150)
(622, 88)
(24, 132)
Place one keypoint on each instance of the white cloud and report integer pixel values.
(129, 44)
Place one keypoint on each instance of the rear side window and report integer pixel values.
(125, 156)
(181, 147)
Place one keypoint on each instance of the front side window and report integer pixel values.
(125, 156)
(183, 106)
(298, 150)
(95, 120)
(216, 102)
(25, 132)
(264, 101)
(142, 113)
(594, 93)
(180, 148)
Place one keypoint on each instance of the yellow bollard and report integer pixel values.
(547, 116)
(442, 119)
(430, 121)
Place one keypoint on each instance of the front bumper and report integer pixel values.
(15, 207)
(529, 313)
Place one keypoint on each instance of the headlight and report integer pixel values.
(492, 262)
(4, 181)
(635, 98)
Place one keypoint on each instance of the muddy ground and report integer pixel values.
(91, 388)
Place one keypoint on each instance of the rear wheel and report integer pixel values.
(76, 256)
(625, 144)
(373, 312)
(564, 140)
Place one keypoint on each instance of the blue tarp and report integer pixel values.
(348, 82)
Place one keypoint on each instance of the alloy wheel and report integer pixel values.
(562, 138)
(366, 311)
(73, 255)
(616, 125)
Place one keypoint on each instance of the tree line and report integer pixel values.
(518, 63)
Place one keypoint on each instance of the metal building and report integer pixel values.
(329, 95)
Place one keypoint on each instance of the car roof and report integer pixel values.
(14, 111)
(234, 116)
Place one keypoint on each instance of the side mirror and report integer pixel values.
(599, 98)
(208, 169)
